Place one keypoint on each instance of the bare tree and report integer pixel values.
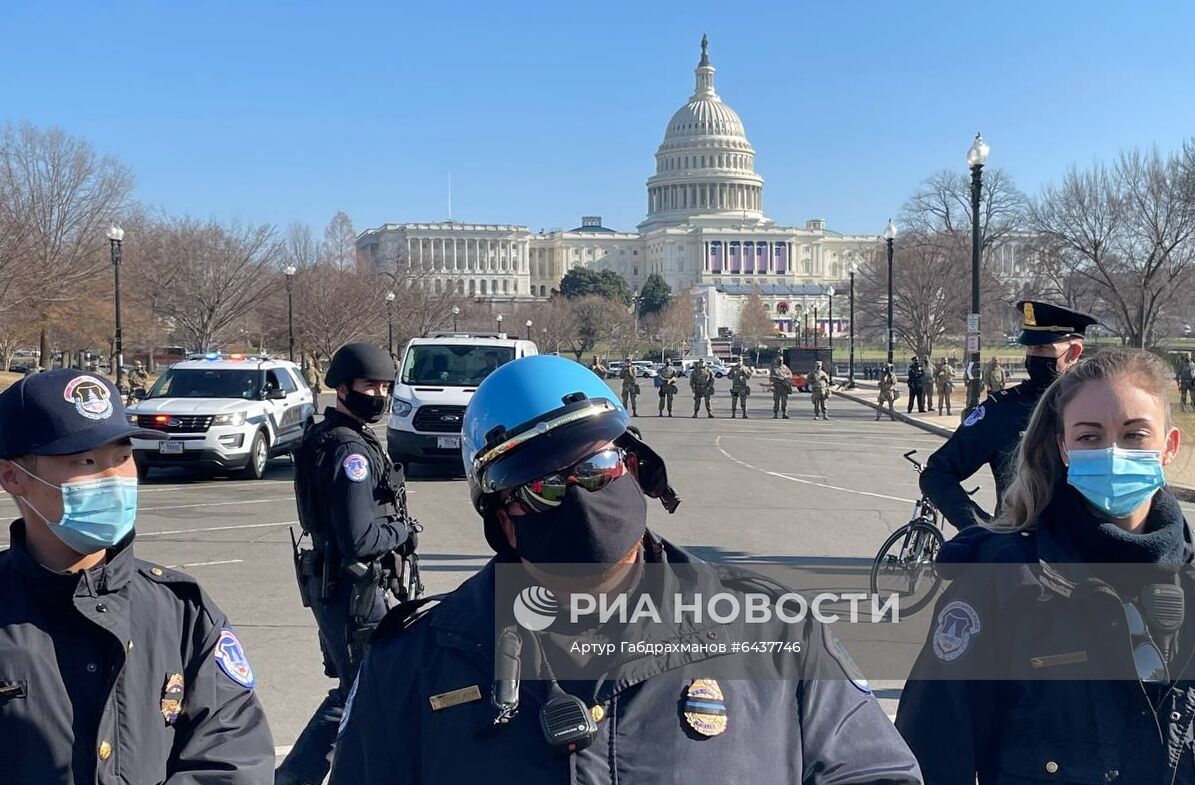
(59, 196)
(623, 332)
(593, 316)
(299, 247)
(1129, 231)
(335, 306)
(755, 323)
(340, 242)
(674, 324)
(207, 276)
(552, 324)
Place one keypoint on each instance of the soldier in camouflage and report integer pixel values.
(995, 376)
(887, 393)
(944, 381)
(667, 383)
(780, 376)
(740, 388)
(1186, 381)
(630, 387)
(819, 388)
(597, 367)
(701, 382)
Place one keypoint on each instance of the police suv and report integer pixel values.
(436, 378)
(225, 413)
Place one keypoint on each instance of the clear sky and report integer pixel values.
(281, 111)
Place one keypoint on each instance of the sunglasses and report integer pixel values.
(1147, 657)
(592, 473)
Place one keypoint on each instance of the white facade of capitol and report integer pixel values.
(705, 232)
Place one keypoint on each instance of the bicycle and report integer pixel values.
(907, 557)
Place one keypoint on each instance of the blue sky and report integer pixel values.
(282, 111)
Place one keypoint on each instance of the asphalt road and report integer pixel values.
(760, 490)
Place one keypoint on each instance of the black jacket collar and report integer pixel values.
(107, 577)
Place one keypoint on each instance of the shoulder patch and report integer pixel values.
(230, 656)
(356, 467)
(845, 661)
(975, 416)
(956, 628)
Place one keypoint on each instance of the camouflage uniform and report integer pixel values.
(887, 393)
(630, 387)
(1186, 381)
(944, 381)
(819, 388)
(311, 375)
(995, 377)
(701, 382)
(781, 378)
(667, 382)
(740, 388)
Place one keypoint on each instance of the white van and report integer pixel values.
(436, 378)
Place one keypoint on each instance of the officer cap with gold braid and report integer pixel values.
(1048, 323)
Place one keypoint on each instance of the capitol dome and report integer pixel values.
(705, 167)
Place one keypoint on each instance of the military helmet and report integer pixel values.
(359, 361)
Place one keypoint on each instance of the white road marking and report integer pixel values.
(798, 479)
(142, 535)
(215, 504)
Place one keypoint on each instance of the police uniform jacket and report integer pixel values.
(989, 435)
(916, 379)
(349, 492)
(814, 730)
(1012, 686)
(124, 673)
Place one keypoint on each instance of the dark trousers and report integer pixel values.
(917, 394)
(311, 757)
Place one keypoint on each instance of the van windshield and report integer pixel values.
(453, 365)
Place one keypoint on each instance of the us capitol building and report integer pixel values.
(705, 233)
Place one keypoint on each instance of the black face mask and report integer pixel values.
(1042, 370)
(589, 527)
(369, 408)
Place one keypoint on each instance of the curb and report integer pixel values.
(1180, 492)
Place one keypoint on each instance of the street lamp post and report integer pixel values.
(456, 311)
(977, 156)
(889, 238)
(499, 324)
(115, 238)
(528, 329)
(290, 271)
(815, 327)
(830, 330)
(852, 269)
(390, 323)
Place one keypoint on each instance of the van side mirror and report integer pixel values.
(275, 395)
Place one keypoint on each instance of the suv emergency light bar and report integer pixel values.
(451, 334)
(236, 356)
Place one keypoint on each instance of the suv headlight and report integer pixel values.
(235, 418)
(400, 407)
(132, 418)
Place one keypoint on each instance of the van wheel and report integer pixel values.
(259, 456)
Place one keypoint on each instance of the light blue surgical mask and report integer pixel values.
(1116, 480)
(96, 514)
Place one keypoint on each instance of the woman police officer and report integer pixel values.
(1059, 653)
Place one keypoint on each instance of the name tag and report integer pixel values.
(455, 698)
(1054, 660)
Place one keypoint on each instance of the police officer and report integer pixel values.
(111, 668)
(1065, 655)
(559, 478)
(916, 384)
(740, 388)
(819, 389)
(630, 387)
(1053, 336)
(701, 382)
(352, 502)
(667, 382)
(1186, 381)
(887, 393)
(781, 378)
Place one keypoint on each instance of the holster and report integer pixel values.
(309, 564)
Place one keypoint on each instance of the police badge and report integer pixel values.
(172, 698)
(704, 708)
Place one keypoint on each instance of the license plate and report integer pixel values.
(448, 442)
(170, 448)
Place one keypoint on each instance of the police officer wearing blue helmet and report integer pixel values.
(558, 477)
(112, 669)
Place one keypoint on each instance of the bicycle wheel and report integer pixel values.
(905, 565)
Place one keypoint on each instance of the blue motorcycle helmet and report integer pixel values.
(539, 414)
